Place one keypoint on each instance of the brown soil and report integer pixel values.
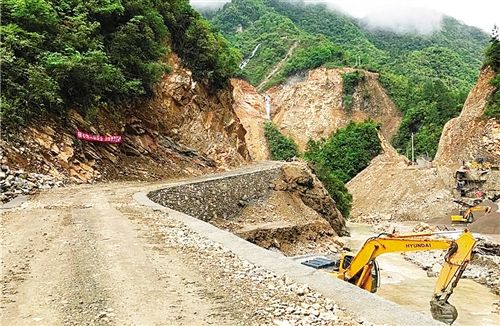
(296, 215)
(281, 221)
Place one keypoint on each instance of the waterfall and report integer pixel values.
(245, 62)
(267, 99)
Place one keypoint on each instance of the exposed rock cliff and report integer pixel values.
(249, 106)
(312, 108)
(391, 189)
(471, 135)
(184, 129)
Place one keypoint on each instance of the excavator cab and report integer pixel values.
(370, 283)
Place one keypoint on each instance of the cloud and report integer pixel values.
(402, 19)
(208, 4)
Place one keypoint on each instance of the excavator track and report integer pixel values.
(443, 311)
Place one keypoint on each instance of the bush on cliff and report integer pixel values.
(74, 53)
(282, 148)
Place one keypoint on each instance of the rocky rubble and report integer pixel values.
(18, 182)
(484, 268)
(262, 296)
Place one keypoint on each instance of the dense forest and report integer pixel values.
(428, 76)
(60, 54)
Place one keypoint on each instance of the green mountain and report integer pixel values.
(60, 54)
(428, 76)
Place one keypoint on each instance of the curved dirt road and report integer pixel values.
(91, 255)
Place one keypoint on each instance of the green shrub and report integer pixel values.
(493, 107)
(492, 53)
(336, 189)
(282, 148)
(348, 151)
(58, 54)
(492, 58)
(350, 80)
(339, 158)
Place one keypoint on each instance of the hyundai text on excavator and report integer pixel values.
(362, 270)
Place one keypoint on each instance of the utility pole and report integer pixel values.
(412, 150)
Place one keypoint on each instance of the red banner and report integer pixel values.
(97, 138)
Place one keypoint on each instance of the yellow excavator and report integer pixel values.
(465, 211)
(362, 270)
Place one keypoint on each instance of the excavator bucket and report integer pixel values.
(443, 312)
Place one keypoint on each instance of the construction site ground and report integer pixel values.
(94, 254)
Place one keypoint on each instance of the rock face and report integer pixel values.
(198, 117)
(471, 135)
(280, 208)
(398, 191)
(311, 108)
(185, 129)
(299, 180)
(250, 108)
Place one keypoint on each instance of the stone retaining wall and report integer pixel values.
(223, 198)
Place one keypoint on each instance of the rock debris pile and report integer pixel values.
(18, 182)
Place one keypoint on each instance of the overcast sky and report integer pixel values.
(480, 13)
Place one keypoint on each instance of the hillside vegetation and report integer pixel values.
(493, 60)
(427, 76)
(58, 54)
(335, 160)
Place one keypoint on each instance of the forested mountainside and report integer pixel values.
(428, 76)
(62, 54)
(154, 72)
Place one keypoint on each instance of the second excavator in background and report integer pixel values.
(465, 211)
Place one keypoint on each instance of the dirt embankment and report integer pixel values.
(285, 208)
(312, 108)
(184, 129)
(391, 189)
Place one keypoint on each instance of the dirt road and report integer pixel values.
(87, 255)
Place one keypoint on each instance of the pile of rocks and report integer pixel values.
(18, 182)
(263, 297)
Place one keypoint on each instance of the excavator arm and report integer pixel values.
(362, 269)
(456, 260)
